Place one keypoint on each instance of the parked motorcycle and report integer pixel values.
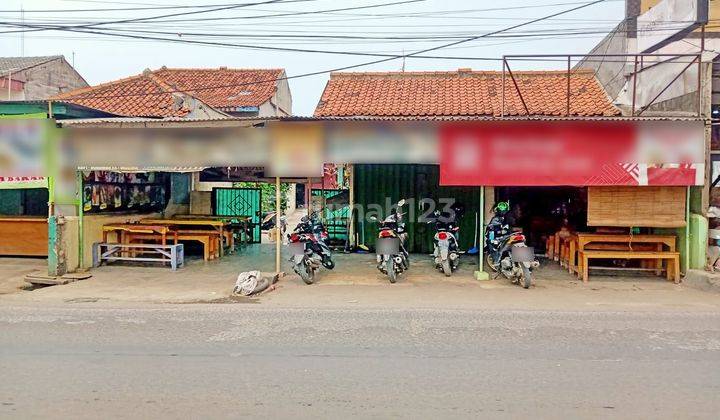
(392, 257)
(446, 250)
(506, 250)
(269, 220)
(307, 241)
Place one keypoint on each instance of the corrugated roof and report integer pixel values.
(8, 64)
(190, 121)
(462, 93)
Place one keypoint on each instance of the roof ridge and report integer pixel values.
(73, 93)
(462, 72)
(165, 86)
(33, 56)
(221, 68)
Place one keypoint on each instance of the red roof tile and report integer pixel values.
(158, 93)
(462, 93)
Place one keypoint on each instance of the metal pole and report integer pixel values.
(502, 95)
(568, 87)
(480, 274)
(517, 88)
(666, 87)
(308, 194)
(81, 216)
(278, 236)
(632, 110)
(686, 257)
(699, 81)
(350, 174)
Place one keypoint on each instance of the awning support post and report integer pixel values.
(480, 274)
(278, 230)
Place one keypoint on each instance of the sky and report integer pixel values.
(391, 27)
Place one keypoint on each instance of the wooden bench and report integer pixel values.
(210, 239)
(673, 259)
(574, 265)
(174, 254)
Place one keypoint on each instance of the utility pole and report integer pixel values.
(22, 33)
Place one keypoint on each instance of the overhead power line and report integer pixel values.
(364, 64)
(194, 12)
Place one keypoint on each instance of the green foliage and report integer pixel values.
(268, 194)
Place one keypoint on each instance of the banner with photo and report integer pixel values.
(105, 191)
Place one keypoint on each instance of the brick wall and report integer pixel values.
(51, 78)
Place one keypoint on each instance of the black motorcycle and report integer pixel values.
(307, 241)
(506, 250)
(392, 257)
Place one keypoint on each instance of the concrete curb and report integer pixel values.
(703, 280)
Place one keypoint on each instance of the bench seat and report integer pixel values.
(673, 259)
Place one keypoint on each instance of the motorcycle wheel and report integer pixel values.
(489, 262)
(446, 268)
(329, 264)
(527, 277)
(392, 275)
(307, 274)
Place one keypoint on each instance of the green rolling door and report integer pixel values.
(374, 184)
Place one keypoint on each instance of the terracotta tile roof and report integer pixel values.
(462, 93)
(238, 87)
(159, 93)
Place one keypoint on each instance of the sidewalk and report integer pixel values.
(357, 282)
(13, 271)
(703, 280)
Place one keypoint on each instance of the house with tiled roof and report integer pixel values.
(37, 78)
(463, 94)
(190, 93)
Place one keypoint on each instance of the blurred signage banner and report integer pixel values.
(296, 150)
(23, 144)
(20, 182)
(668, 21)
(581, 153)
(381, 142)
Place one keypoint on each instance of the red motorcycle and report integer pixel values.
(307, 243)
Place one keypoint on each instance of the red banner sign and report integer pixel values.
(547, 153)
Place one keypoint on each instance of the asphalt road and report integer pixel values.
(243, 361)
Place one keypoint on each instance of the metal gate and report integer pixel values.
(336, 214)
(239, 202)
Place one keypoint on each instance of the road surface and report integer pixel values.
(245, 361)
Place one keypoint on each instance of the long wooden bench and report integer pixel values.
(174, 254)
(210, 240)
(673, 259)
(574, 265)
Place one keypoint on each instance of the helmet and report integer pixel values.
(502, 206)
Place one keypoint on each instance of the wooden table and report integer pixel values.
(579, 242)
(218, 226)
(125, 231)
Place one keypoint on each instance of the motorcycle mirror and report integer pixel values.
(373, 218)
(401, 203)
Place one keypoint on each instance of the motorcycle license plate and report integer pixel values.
(297, 248)
(523, 254)
(388, 246)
